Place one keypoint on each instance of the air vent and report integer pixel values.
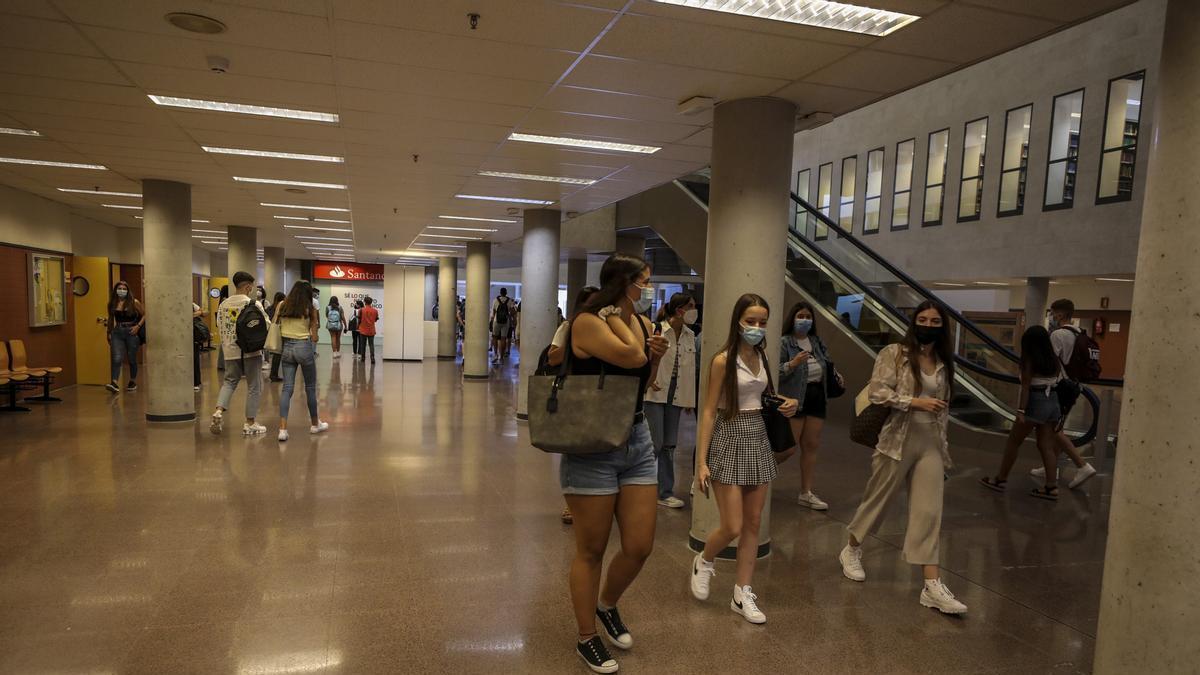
(195, 23)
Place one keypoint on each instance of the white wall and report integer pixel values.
(404, 318)
(29, 220)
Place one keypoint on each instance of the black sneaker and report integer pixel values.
(132, 386)
(617, 633)
(112, 386)
(596, 655)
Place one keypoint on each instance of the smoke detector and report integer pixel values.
(218, 64)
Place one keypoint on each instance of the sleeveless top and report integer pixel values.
(294, 328)
(750, 387)
(127, 315)
(929, 388)
(593, 366)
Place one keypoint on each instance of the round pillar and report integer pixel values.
(1148, 608)
(431, 291)
(274, 266)
(539, 293)
(167, 257)
(747, 243)
(576, 280)
(475, 336)
(447, 307)
(243, 250)
(1037, 295)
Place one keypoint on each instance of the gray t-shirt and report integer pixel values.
(1063, 341)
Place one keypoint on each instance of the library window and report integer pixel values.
(935, 176)
(1063, 157)
(804, 220)
(846, 210)
(874, 190)
(970, 191)
(1014, 164)
(824, 185)
(902, 183)
(1121, 120)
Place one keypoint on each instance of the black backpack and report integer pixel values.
(250, 332)
(200, 333)
(1084, 365)
(502, 310)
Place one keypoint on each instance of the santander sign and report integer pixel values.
(347, 271)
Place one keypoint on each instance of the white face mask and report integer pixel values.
(645, 298)
(121, 292)
(690, 316)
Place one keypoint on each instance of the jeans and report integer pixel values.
(233, 374)
(124, 345)
(663, 419)
(605, 473)
(363, 342)
(298, 354)
(357, 340)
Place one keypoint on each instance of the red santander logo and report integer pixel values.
(347, 271)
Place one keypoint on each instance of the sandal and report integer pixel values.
(567, 518)
(1050, 493)
(993, 483)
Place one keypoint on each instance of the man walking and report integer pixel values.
(501, 321)
(238, 363)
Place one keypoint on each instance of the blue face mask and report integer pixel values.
(753, 335)
(644, 302)
(802, 326)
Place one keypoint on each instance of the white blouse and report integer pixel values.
(750, 386)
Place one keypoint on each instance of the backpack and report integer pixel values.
(250, 332)
(200, 333)
(502, 311)
(334, 316)
(1084, 365)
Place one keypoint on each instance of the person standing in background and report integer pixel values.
(126, 316)
(335, 321)
(353, 326)
(298, 325)
(276, 302)
(367, 317)
(237, 363)
(197, 313)
(672, 391)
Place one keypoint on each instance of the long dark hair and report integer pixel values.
(790, 319)
(1037, 353)
(673, 305)
(944, 347)
(333, 302)
(581, 299)
(113, 300)
(730, 350)
(298, 304)
(617, 274)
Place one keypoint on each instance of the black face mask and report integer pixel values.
(928, 334)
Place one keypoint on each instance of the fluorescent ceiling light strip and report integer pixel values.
(991, 283)
(18, 132)
(478, 220)
(438, 245)
(943, 283)
(584, 143)
(329, 246)
(305, 208)
(305, 237)
(60, 165)
(206, 236)
(211, 231)
(298, 183)
(515, 200)
(1130, 281)
(461, 229)
(819, 13)
(451, 236)
(242, 108)
(121, 206)
(315, 220)
(194, 220)
(531, 176)
(321, 229)
(108, 193)
(274, 155)
(213, 241)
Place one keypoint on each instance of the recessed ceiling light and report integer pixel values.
(18, 132)
(276, 181)
(306, 208)
(820, 13)
(205, 236)
(478, 220)
(515, 200)
(121, 206)
(321, 229)
(274, 155)
(224, 106)
(315, 220)
(211, 231)
(304, 237)
(1128, 281)
(545, 179)
(195, 23)
(60, 165)
(584, 143)
(196, 220)
(461, 229)
(109, 193)
(451, 236)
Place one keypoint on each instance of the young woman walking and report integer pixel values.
(673, 390)
(734, 454)
(803, 366)
(557, 352)
(298, 324)
(609, 336)
(276, 304)
(914, 379)
(126, 316)
(335, 322)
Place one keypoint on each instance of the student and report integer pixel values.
(335, 321)
(734, 455)
(501, 320)
(237, 363)
(1037, 408)
(672, 391)
(276, 303)
(608, 335)
(197, 313)
(803, 364)
(367, 317)
(353, 326)
(126, 316)
(298, 325)
(221, 297)
(557, 352)
(914, 378)
(1063, 336)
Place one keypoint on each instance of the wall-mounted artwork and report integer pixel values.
(47, 290)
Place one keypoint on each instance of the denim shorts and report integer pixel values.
(605, 473)
(1042, 408)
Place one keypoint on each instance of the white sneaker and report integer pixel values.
(1082, 475)
(318, 428)
(253, 429)
(1040, 472)
(196, 388)
(283, 435)
(744, 603)
(337, 355)
(811, 501)
(218, 419)
(851, 559)
(702, 574)
(936, 595)
(671, 502)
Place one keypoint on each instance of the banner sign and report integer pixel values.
(331, 271)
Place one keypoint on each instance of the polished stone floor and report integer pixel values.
(421, 534)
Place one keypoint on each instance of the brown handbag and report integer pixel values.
(869, 418)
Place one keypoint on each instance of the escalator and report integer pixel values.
(870, 300)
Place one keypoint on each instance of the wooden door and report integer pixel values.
(91, 320)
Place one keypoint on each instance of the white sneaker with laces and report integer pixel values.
(744, 603)
(1082, 475)
(851, 559)
(253, 429)
(318, 428)
(1040, 472)
(218, 420)
(936, 595)
(283, 435)
(671, 502)
(702, 574)
(811, 501)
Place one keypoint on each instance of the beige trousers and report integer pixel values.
(920, 467)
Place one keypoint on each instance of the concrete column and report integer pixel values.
(1037, 296)
(576, 280)
(447, 305)
(274, 278)
(631, 244)
(539, 294)
(167, 256)
(243, 247)
(1148, 607)
(479, 306)
(747, 241)
(291, 272)
(431, 290)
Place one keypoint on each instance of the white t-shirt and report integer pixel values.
(1063, 340)
(511, 309)
(816, 372)
(227, 316)
(560, 335)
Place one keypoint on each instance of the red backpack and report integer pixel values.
(1084, 365)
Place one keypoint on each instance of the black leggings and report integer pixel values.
(363, 342)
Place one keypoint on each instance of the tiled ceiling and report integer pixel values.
(426, 103)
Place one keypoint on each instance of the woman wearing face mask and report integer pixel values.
(609, 336)
(126, 316)
(914, 379)
(803, 366)
(735, 454)
(673, 390)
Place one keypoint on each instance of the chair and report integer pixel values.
(43, 375)
(9, 380)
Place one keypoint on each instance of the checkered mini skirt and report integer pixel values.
(739, 452)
